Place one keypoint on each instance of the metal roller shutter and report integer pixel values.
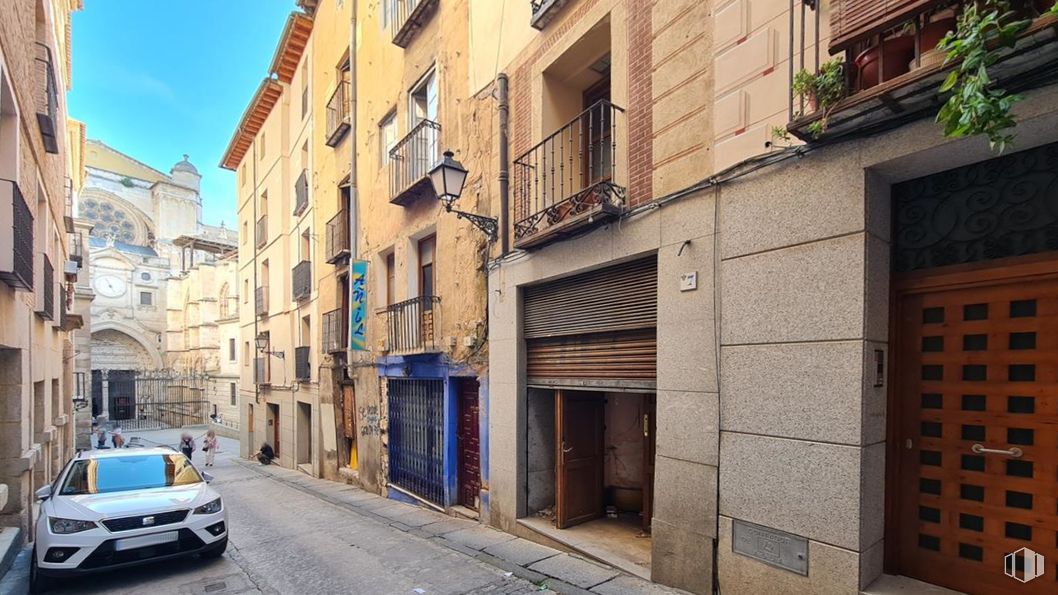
(596, 326)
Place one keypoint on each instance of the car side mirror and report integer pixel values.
(44, 492)
(207, 477)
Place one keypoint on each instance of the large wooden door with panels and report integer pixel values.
(975, 424)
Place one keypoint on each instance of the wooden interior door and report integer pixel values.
(650, 426)
(469, 444)
(976, 417)
(579, 421)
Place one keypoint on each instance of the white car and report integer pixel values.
(115, 508)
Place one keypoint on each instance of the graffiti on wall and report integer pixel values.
(370, 421)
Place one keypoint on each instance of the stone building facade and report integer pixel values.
(38, 163)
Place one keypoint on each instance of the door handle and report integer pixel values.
(564, 449)
(1010, 452)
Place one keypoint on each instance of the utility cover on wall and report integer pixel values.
(771, 546)
(689, 281)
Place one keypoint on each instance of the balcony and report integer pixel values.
(47, 291)
(411, 326)
(410, 161)
(261, 232)
(406, 17)
(16, 247)
(338, 114)
(301, 193)
(261, 371)
(544, 12)
(338, 238)
(302, 366)
(892, 68)
(77, 249)
(568, 182)
(301, 280)
(47, 99)
(260, 300)
(335, 330)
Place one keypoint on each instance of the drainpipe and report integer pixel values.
(505, 113)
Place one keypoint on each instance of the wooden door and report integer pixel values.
(597, 131)
(273, 411)
(650, 407)
(469, 444)
(579, 419)
(976, 419)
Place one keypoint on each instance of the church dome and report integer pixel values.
(185, 166)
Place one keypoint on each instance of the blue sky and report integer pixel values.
(159, 78)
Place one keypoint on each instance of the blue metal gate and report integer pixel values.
(416, 437)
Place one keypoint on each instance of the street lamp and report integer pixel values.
(262, 345)
(448, 177)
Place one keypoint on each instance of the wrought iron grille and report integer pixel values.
(338, 114)
(416, 436)
(301, 192)
(410, 161)
(16, 267)
(77, 248)
(260, 370)
(261, 231)
(47, 95)
(47, 309)
(411, 325)
(260, 298)
(146, 400)
(570, 172)
(334, 330)
(301, 280)
(405, 18)
(302, 365)
(995, 209)
(338, 237)
(63, 306)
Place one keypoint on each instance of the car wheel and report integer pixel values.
(216, 550)
(38, 583)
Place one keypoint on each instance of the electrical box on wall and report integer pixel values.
(689, 281)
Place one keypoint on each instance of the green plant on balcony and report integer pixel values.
(823, 90)
(976, 105)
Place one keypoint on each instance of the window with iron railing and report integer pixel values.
(301, 193)
(77, 248)
(260, 370)
(260, 296)
(47, 290)
(262, 231)
(568, 179)
(411, 325)
(301, 280)
(47, 95)
(302, 365)
(16, 245)
(338, 114)
(406, 17)
(410, 161)
(338, 238)
(334, 330)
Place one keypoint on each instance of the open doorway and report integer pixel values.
(272, 426)
(591, 472)
(304, 437)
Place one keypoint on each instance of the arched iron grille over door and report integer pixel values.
(416, 437)
(600, 325)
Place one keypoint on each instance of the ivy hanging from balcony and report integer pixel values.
(976, 104)
(823, 90)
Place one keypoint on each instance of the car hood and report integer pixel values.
(119, 504)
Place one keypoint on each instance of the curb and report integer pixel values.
(16, 580)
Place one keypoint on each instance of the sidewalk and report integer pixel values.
(549, 568)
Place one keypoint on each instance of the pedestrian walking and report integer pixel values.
(116, 438)
(209, 446)
(187, 444)
(101, 437)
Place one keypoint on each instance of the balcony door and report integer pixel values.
(422, 106)
(597, 132)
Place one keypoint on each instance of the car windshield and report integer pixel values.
(124, 473)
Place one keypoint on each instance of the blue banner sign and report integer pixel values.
(358, 305)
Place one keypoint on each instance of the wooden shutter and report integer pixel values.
(596, 326)
(854, 20)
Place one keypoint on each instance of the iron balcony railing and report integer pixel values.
(302, 366)
(261, 231)
(301, 280)
(411, 325)
(569, 177)
(16, 245)
(544, 12)
(301, 192)
(47, 96)
(334, 330)
(63, 307)
(260, 299)
(47, 292)
(338, 114)
(338, 237)
(77, 248)
(410, 161)
(260, 370)
(406, 17)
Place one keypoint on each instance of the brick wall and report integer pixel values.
(640, 103)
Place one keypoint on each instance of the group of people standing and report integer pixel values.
(210, 444)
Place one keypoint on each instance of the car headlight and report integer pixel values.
(209, 507)
(67, 526)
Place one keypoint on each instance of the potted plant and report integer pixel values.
(822, 90)
(894, 55)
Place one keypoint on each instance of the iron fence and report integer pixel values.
(151, 400)
(47, 309)
(301, 280)
(302, 365)
(411, 158)
(261, 231)
(16, 266)
(334, 330)
(411, 325)
(416, 436)
(405, 17)
(260, 299)
(301, 192)
(338, 237)
(338, 114)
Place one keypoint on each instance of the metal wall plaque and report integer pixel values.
(771, 546)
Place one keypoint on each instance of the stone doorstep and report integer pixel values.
(889, 584)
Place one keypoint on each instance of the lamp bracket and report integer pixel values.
(488, 225)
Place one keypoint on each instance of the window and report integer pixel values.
(245, 231)
(231, 350)
(387, 136)
(391, 279)
(242, 174)
(245, 290)
(427, 248)
(263, 208)
(146, 298)
(423, 100)
(234, 393)
(304, 90)
(145, 276)
(261, 144)
(306, 245)
(246, 359)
